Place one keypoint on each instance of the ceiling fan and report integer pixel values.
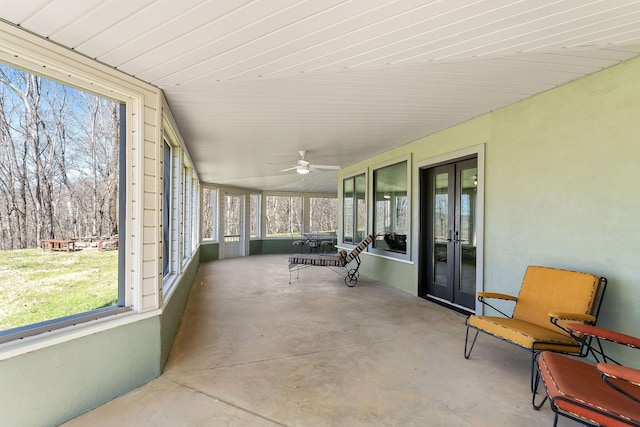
(304, 167)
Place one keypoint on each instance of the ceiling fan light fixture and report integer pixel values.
(303, 166)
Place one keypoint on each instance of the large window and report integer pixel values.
(323, 215)
(195, 213)
(178, 211)
(186, 213)
(254, 215)
(391, 210)
(166, 209)
(209, 214)
(270, 215)
(283, 216)
(354, 209)
(232, 217)
(61, 201)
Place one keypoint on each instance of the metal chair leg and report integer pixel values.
(538, 377)
(297, 273)
(534, 372)
(466, 339)
(537, 406)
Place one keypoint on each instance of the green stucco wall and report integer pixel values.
(255, 247)
(209, 252)
(562, 184)
(49, 386)
(561, 177)
(276, 246)
(172, 311)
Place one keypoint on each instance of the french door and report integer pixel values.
(448, 211)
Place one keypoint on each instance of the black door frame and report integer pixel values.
(476, 151)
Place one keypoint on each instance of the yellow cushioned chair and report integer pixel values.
(549, 298)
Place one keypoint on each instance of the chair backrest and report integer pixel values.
(546, 290)
(356, 251)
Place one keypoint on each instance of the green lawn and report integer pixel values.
(37, 285)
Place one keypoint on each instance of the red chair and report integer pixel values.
(601, 394)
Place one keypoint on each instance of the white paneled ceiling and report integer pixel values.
(252, 82)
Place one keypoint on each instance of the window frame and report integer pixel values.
(195, 213)
(265, 214)
(372, 207)
(256, 218)
(125, 303)
(186, 212)
(239, 221)
(181, 214)
(335, 219)
(355, 215)
(306, 197)
(148, 118)
(215, 212)
(167, 217)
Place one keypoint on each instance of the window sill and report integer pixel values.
(391, 258)
(348, 248)
(61, 335)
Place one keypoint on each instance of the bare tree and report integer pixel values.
(208, 210)
(324, 214)
(113, 169)
(284, 215)
(59, 161)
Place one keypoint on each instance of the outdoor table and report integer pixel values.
(68, 245)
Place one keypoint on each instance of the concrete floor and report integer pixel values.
(253, 350)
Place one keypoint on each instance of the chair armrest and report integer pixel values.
(496, 295)
(560, 320)
(605, 334)
(576, 317)
(625, 373)
(621, 375)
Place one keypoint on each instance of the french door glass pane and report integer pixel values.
(467, 227)
(441, 228)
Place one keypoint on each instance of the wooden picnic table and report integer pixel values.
(68, 245)
(104, 244)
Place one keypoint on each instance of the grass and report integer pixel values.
(36, 285)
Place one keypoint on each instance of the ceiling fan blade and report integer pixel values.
(328, 167)
(289, 169)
